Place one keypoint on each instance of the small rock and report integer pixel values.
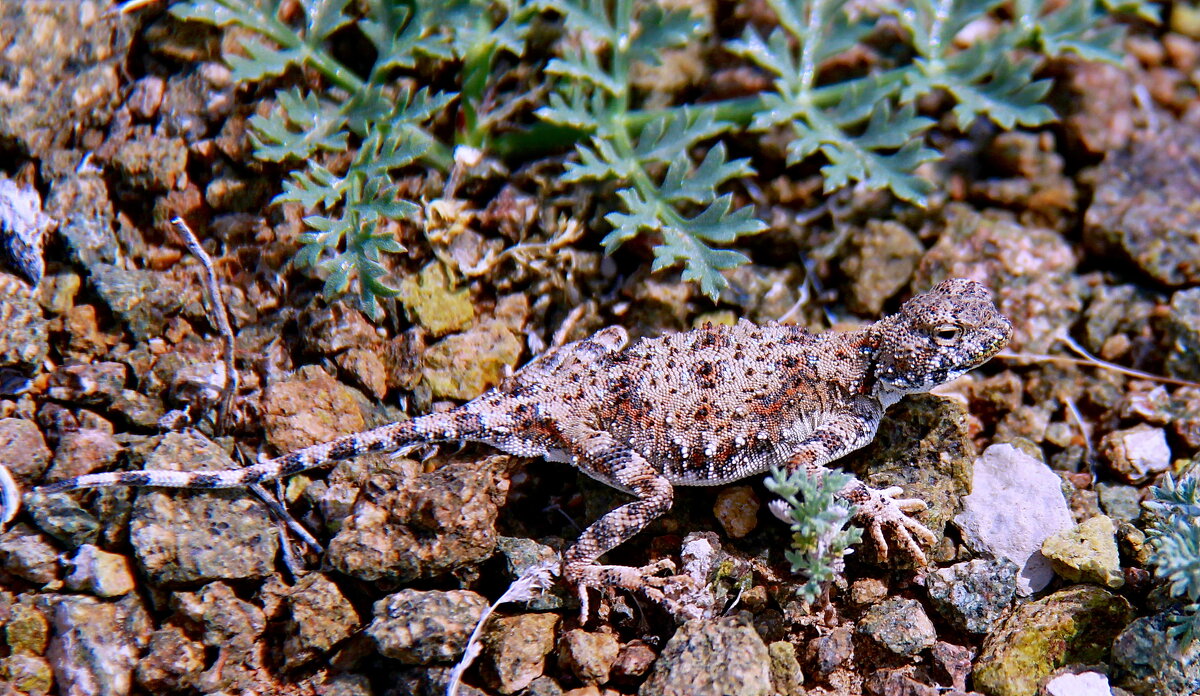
(866, 591)
(736, 509)
(515, 650)
(786, 677)
(366, 367)
(334, 328)
(23, 228)
(924, 446)
(138, 410)
(712, 657)
(404, 528)
(1140, 208)
(28, 555)
(882, 258)
(28, 674)
(899, 625)
(1086, 553)
(24, 342)
(1149, 662)
(633, 661)
(95, 644)
(832, 650)
(319, 617)
(465, 365)
(1016, 502)
(309, 408)
(1072, 626)
(420, 628)
(171, 662)
(101, 573)
(543, 686)
(897, 682)
(26, 631)
(1083, 684)
(94, 383)
(954, 661)
(156, 163)
(973, 595)
(588, 656)
(144, 300)
(23, 450)
(432, 303)
(62, 516)
(195, 536)
(1120, 501)
(1137, 454)
(83, 451)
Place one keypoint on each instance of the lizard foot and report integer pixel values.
(675, 593)
(886, 511)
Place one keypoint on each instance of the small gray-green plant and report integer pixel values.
(1174, 539)
(820, 537)
(670, 166)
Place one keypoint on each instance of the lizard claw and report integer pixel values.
(675, 593)
(885, 511)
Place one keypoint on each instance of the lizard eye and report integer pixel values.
(946, 333)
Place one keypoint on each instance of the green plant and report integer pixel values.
(1174, 539)
(382, 117)
(820, 538)
(670, 165)
(595, 95)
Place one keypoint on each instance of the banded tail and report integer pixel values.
(437, 427)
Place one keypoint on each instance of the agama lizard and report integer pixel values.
(698, 408)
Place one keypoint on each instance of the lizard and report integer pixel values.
(698, 408)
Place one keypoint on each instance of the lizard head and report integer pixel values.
(938, 336)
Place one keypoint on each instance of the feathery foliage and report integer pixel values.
(820, 538)
(681, 205)
(670, 166)
(1174, 540)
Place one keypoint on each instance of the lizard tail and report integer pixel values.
(453, 425)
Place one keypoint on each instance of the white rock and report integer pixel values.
(102, 573)
(1015, 503)
(1085, 684)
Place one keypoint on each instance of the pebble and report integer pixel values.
(309, 408)
(588, 656)
(425, 627)
(1016, 501)
(898, 625)
(404, 528)
(515, 650)
(736, 508)
(1082, 684)
(23, 449)
(197, 536)
(465, 365)
(93, 383)
(973, 595)
(712, 657)
(28, 674)
(28, 555)
(430, 300)
(100, 573)
(26, 631)
(1148, 660)
(1072, 626)
(319, 617)
(95, 644)
(1183, 335)
(1137, 454)
(1086, 553)
(83, 451)
(24, 342)
(171, 661)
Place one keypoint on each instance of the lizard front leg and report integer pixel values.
(879, 510)
(597, 453)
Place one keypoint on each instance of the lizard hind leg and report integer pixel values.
(630, 471)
